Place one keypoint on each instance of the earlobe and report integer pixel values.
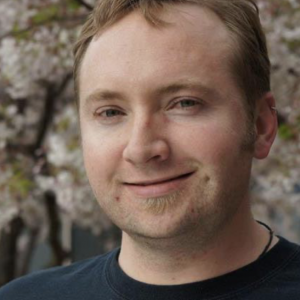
(265, 125)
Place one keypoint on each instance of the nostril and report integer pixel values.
(138, 153)
(157, 157)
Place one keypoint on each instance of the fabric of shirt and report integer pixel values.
(275, 276)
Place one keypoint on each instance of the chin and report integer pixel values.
(167, 225)
(151, 234)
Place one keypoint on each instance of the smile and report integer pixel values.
(156, 188)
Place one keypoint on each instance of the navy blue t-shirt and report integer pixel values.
(275, 276)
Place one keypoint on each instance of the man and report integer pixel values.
(174, 103)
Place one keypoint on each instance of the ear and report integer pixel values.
(265, 125)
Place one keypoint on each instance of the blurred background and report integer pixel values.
(48, 215)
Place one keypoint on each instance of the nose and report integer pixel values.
(146, 143)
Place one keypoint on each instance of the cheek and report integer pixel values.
(101, 155)
(211, 143)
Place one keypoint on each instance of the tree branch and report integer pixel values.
(8, 250)
(8, 246)
(51, 96)
(26, 258)
(59, 253)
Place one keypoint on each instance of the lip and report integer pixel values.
(159, 187)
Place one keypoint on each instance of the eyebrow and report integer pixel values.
(104, 95)
(189, 85)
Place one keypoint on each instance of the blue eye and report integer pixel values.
(108, 115)
(111, 113)
(186, 106)
(187, 103)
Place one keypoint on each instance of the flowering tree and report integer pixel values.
(42, 173)
(42, 178)
(276, 180)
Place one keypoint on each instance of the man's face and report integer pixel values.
(163, 124)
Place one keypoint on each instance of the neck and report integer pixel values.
(184, 260)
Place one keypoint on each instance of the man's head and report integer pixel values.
(248, 60)
(163, 122)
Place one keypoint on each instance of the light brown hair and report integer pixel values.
(249, 64)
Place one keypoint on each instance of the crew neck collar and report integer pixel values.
(233, 282)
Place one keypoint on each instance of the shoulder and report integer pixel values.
(291, 252)
(284, 259)
(57, 282)
(282, 276)
(289, 273)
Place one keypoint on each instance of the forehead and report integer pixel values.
(134, 51)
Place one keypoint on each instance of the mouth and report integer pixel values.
(159, 187)
(160, 181)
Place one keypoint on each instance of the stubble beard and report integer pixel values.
(159, 205)
(188, 231)
(213, 207)
(195, 213)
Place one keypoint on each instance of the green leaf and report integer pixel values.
(19, 184)
(45, 14)
(73, 145)
(63, 125)
(293, 45)
(20, 34)
(73, 5)
(286, 132)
